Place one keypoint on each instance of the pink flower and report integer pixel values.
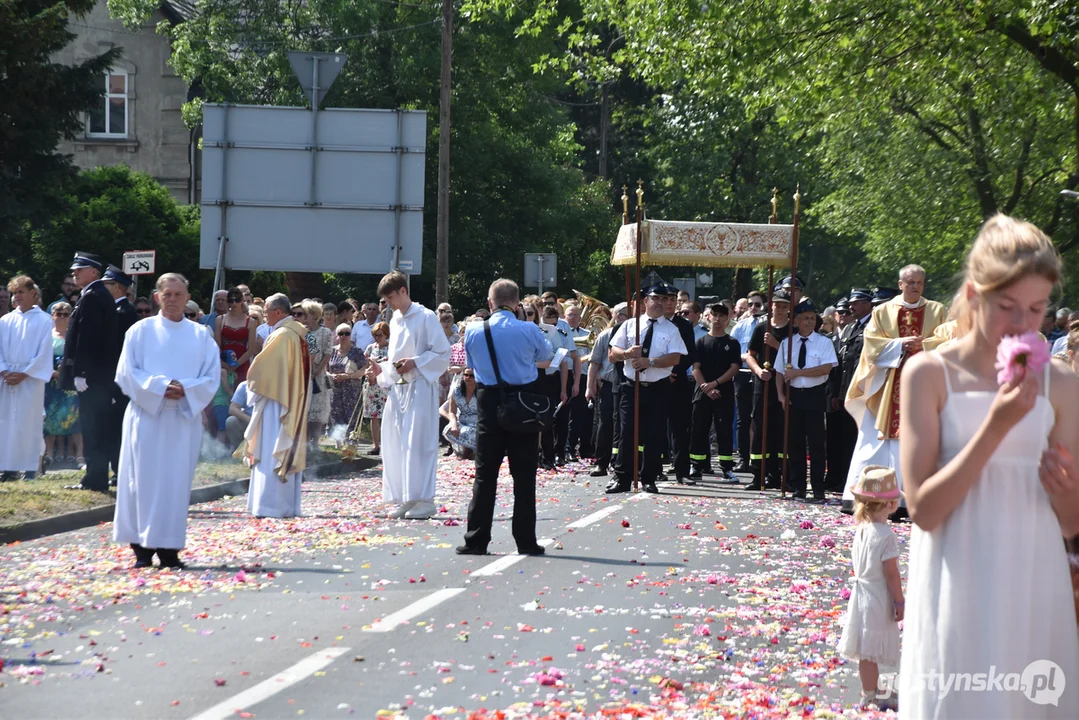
(1018, 353)
(827, 542)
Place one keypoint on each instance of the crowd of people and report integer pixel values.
(885, 396)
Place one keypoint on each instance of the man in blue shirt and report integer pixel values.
(520, 349)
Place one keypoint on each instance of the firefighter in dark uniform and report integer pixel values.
(650, 363)
(117, 283)
(90, 356)
(845, 434)
(680, 413)
(763, 347)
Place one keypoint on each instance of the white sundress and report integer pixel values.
(989, 592)
(871, 631)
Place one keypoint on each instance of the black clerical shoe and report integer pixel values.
(616, 487)
(649, 487)
(534, 550)
(469, 550)
(144, 557)
(598, 472)
(170, 558)
(742, 468)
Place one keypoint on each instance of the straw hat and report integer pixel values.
(877, 483)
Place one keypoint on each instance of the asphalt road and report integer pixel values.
(698, 602)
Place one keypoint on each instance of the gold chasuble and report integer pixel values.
(872, 392)
(282, 373)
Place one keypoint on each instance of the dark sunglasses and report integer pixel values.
(468, 375)
(236, 300)
(842, 312)
(143, 311)
(344, 333)
(298, 314)
(191, 316)
(62, 314)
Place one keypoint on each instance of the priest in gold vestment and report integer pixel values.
(275, 443)
(899, 328)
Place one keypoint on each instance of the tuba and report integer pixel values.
(595, 317)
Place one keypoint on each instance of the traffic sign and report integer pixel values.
(541, 270)
(140, 262)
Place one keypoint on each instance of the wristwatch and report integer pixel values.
(651, 362)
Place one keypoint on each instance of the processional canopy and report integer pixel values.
(705, 244)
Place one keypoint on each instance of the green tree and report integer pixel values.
(113, 209)
(43, 103)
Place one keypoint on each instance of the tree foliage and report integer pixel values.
(43, 102)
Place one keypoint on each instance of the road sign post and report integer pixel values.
(541, 269)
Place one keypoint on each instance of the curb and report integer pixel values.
(104, 513)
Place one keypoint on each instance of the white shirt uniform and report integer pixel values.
(161, 438)
(25, 347)
(819, 351)
(361, 335)
(665, 340)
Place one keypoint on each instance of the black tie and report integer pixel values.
(802, 354)
(647, 345)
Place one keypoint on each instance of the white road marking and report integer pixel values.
(595, 517)
(407, 613)
(271, 686)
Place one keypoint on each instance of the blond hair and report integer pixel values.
(864, 510)
(1005, 251)
(313, 308)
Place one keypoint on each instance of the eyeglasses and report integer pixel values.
(191, 316)
(61, 314)
(468, 375)
(344, 333)
(143, 311)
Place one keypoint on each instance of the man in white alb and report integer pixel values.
(25, 367)
(170, 369)
(275, 441)
(419, 354)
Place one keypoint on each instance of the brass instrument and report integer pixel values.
(595, 316)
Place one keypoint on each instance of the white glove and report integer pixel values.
(80, 384)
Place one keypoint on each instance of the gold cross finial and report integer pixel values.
(640, 193)
(797, 197)
(625, 205)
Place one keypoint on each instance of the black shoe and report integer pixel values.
(534, 550)
(819, 498)
(688, 480)
(170, 558)
(847, 507)
(616, 487)
(755, 485)
(742, 468)
(650, 487)
(469, 550)
(697, 474)
(449, 451)
(771, 483)
(547, 465)
(560, 461)
(144, 557)
(374, 452)
(797, 496)
(598, 472)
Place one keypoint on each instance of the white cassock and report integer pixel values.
(25, 347)
(267, 496)
(871, 449)
(410, 417)
(161, 438)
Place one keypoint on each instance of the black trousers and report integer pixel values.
(743, 398)
(551, 386)
(807, 410)
(492, 444)
(841, 436)
(708, 413)
(655, 403)
(580, 419)
(606, 417)
(561, 421)
(772, 456)
(119, 407)
(96, 421)
(617, 388)
(679, 420)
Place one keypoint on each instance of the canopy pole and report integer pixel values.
(625, 221)
(637, 372)
(767, 366)
(790, 344)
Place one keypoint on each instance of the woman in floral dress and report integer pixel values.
(374, 397)
(346, 372)
(61, 406)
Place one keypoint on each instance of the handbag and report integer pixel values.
(519, 411)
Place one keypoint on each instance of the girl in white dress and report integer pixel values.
(871, 632)
(990, 630)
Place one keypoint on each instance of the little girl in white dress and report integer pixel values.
(871, 632)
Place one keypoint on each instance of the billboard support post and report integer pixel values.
(223, 202)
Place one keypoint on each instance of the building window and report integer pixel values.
(109, 119)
